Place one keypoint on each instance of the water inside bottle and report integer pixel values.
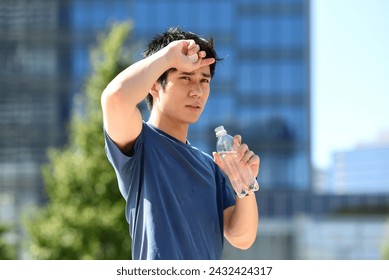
(243, 182)
(226, 153)
(232, 168)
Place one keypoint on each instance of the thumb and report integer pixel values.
(217, 159)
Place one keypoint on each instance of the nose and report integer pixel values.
(195, 90)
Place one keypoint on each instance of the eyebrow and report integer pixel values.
(192, 73)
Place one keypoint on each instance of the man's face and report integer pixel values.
(185, 94)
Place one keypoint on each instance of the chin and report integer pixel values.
(192, 120)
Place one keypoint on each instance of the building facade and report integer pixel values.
(307, 238)
(34, 87)
(261, 88)
(364, 169)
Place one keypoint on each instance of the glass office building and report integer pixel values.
(44, 53)
(34, 103)
(260, 90)
(362, 170)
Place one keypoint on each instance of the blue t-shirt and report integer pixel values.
(175, 196)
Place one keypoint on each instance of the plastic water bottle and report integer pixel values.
(241, 177)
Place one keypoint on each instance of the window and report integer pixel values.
(290, 75)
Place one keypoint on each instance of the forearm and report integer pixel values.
(243, 223)
(134, 83)
(122, 118)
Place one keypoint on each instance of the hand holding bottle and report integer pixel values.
(246, 156)
(236, 160)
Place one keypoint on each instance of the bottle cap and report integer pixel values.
(220, 131)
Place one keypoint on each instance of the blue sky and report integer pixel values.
(350, 74)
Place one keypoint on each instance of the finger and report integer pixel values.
(193, 57)
(202, 54)
(193, 49)
(206, 61)
(191, 44)
(238, 139)
(248, 155)
(242, 150)
(254, 161)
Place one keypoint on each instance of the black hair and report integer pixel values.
(175, 34)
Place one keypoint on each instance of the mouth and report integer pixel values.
(193, 106)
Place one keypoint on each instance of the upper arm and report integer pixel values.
(122, 121)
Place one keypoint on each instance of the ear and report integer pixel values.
(154, 91)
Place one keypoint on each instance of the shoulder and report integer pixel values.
(206, 159)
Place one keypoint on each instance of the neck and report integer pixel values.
(171, 127)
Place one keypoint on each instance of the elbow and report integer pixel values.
(247, 245)
(112, 96)
(243, 244)
(111, 91)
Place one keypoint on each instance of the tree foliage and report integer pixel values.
(385, 247)
(385, 253)
(84, 216)
(7, 251)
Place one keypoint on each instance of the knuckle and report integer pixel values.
(257, 158)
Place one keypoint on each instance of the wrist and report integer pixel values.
(247, 194)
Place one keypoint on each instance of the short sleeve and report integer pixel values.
(120, 161)
(228, 196)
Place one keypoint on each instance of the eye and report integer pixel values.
(185, 78)
(205, 81)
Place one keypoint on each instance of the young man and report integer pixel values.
(178, 204)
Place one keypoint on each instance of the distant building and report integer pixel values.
(260, 90)
(363, 169)
(329, 238)
(262, 87)
(320, 181)
(341, 238)
(35, 99)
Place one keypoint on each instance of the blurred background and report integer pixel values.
(305, 83)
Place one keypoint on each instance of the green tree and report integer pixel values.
(7, 251)
(385, 253)
(385, 248)
(84, 216)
